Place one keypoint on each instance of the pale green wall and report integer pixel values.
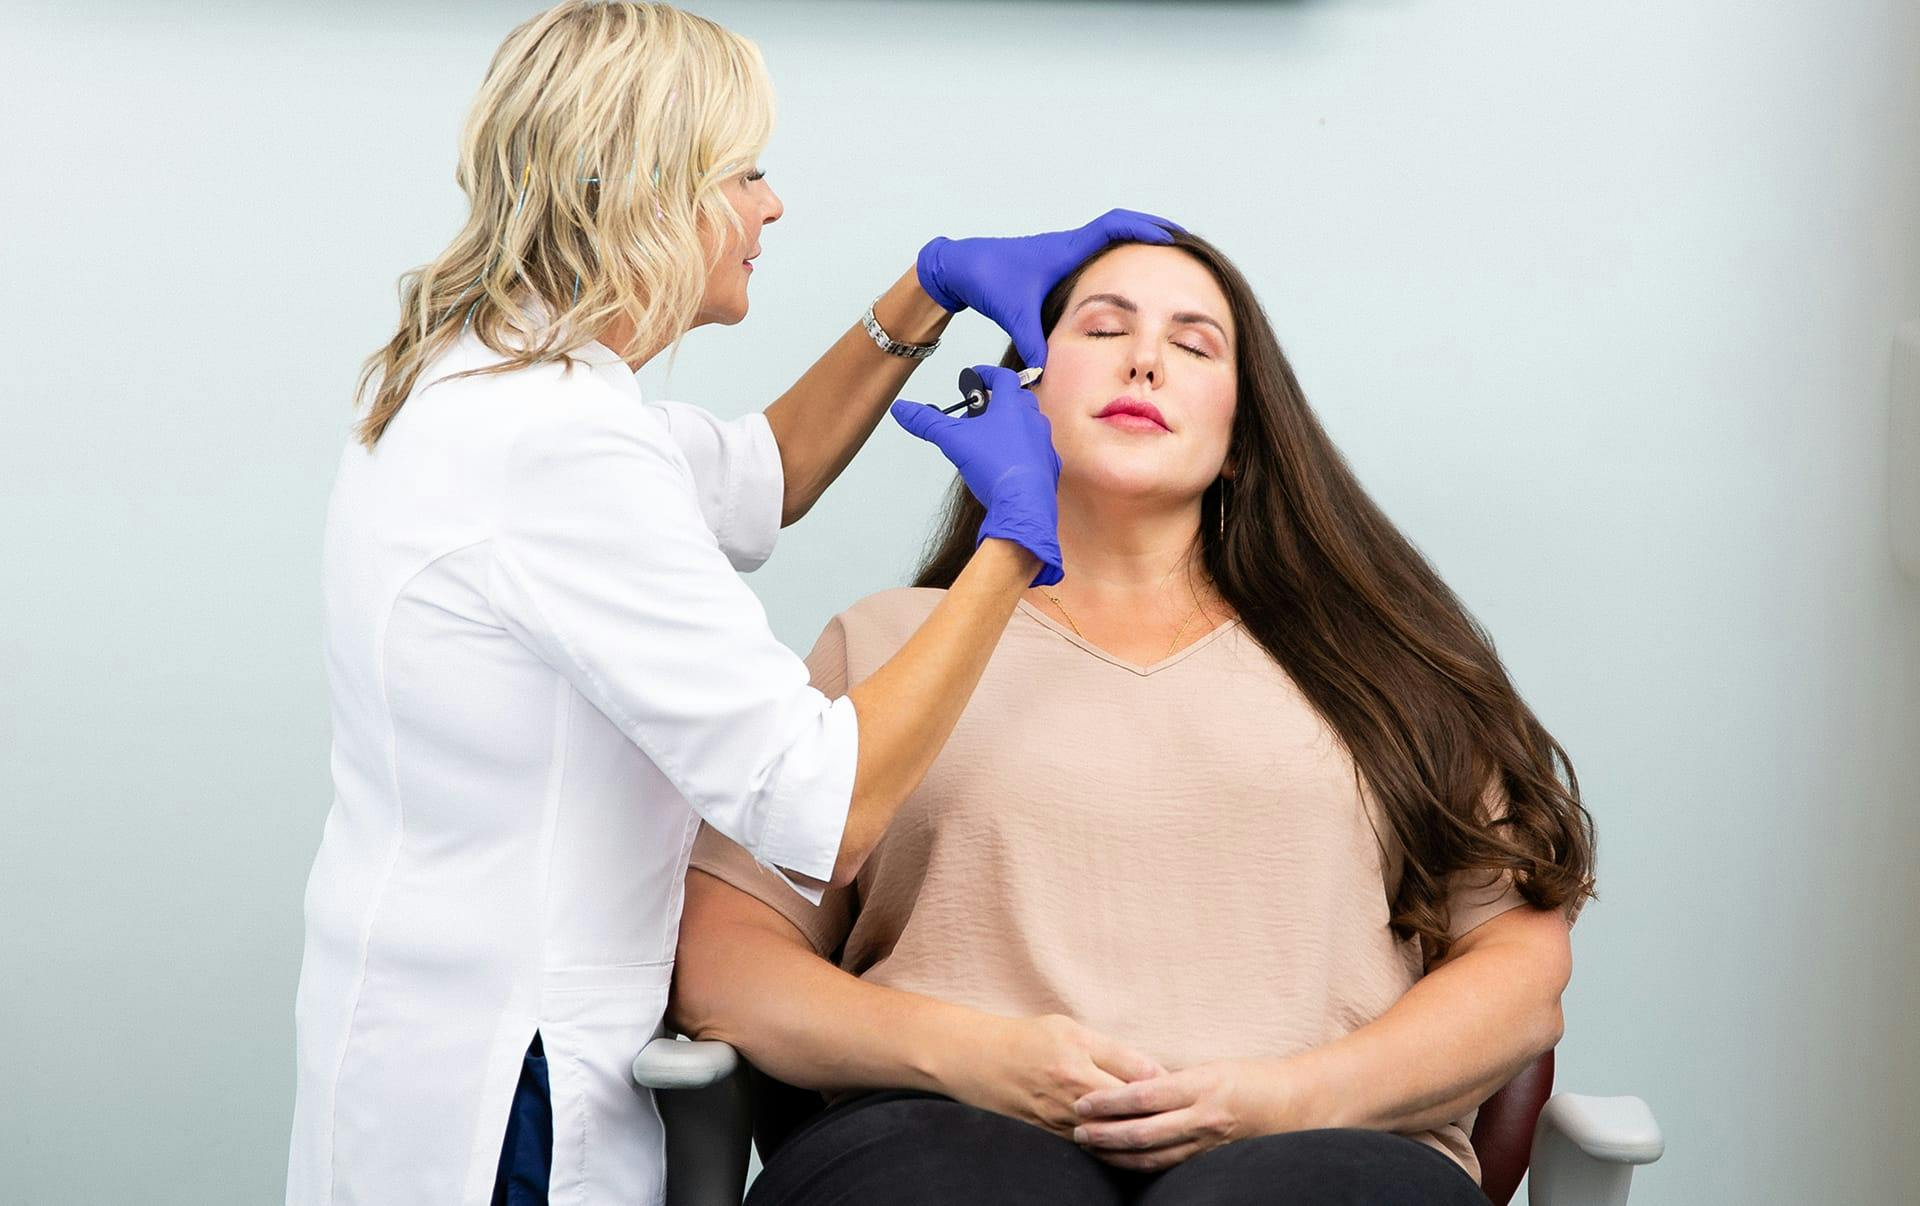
(1597, 298)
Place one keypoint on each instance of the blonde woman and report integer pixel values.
(544, 669)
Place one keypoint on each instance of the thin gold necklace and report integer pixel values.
(1171, 645)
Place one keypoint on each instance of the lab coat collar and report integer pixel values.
(607, 365)
(603, 360)
(599, 359)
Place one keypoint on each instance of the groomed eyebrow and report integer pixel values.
(1184, 317)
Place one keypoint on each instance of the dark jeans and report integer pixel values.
(889, 1148)
(526, 1152)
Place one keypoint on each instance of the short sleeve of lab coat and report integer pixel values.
(737, 478)
(604, 564)
(827, 921)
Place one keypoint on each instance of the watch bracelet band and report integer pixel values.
(891, 346)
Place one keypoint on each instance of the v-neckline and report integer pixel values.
(1174, 658)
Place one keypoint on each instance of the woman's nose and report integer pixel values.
(775, 208)
(1143, 363)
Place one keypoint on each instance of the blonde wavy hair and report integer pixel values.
(594, 159)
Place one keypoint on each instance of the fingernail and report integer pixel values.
(1082, 1108)
(1079, 1134)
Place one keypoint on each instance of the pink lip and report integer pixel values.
(1134, 414)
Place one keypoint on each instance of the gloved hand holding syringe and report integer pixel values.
(1004, 452)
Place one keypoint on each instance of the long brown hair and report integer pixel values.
(1466, 777)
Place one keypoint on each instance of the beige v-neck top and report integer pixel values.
(1177, 855)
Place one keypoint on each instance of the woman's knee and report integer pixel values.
(1318, 1168)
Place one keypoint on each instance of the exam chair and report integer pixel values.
(1581, 1150)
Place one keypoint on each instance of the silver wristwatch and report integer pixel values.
(891, 346)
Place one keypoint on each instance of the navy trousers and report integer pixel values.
(526, 1154)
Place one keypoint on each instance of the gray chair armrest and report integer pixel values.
(675, 1063)
(1586, 1148)
(701, 1091)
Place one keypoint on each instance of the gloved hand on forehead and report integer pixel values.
(1005, 455)
(1007, 279)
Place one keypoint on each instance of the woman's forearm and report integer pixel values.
(745, 976)
(1452, 1041)
(822, 421)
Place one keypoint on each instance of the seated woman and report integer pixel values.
(1246, 875)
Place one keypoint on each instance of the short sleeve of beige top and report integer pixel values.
(1179, 855)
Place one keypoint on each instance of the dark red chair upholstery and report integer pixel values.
(1503, 1130)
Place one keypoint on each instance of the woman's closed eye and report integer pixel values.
(1104, 333)
(1188, 348)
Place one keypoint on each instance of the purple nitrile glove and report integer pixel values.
(1007, 279)
(1005, 455)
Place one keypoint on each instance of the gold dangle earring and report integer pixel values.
(1223, 508)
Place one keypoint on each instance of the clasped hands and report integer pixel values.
(1118, 1104)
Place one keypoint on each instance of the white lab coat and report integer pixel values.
(544, 673)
